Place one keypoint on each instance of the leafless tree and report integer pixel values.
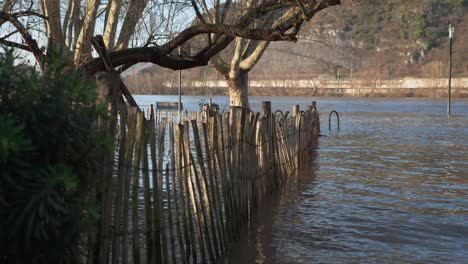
(245, 53)
(147, 31)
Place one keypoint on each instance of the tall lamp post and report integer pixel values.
(451, 35)
(179, 107)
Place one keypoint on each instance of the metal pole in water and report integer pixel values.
(338, 77)
(449, 103)
(180, 93)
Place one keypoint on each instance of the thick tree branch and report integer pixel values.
(162, 55)
(8, 5)
(221, 66)
(149, 54)
(112, 19)
(236, 58)
(66, 18)
(83, 46)
(14, 44)
(238, 30)
(134, 13)
(231, 31)
(206, 10)
(248, 63)
(51, 8)
(258, 48)
(217, 4)
(28, 39)
(9, 34)
(197, 12)
(21, 14)
(29, 13)
(75, 25)
(222, 15)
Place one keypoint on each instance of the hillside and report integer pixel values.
(389, 38)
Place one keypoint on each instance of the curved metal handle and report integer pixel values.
(278, 114)
(337, 119)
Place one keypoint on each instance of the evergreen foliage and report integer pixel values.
(49, 153)
(424, 20)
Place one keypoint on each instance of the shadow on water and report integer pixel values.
(256, 244)
(387, 188)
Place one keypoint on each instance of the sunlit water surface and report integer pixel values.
(390, 187)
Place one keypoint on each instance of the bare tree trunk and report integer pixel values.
(239, 89)
(83, 46)
(8, 5)
(112, 18)
(75, 24)
(51, 9)
(134, 13)
(246, 55)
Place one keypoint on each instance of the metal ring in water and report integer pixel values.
(279, 114)
(337, 119)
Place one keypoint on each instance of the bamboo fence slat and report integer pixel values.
(183, 191)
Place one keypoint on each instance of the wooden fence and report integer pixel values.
(181, 192)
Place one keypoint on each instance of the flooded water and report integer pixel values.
(390, 187)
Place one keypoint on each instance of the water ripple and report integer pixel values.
(390, 187)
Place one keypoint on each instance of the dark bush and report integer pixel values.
(49, 153)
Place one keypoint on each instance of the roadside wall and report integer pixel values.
(403, 87)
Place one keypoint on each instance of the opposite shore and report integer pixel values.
(404, 87)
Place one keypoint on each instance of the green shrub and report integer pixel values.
(49, 148)
(420, 25)
(454, 3)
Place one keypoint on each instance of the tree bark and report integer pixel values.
(8, 5)
(134, 13)
(239, 89)
(112, 18)
(51, 9)
(83, 46)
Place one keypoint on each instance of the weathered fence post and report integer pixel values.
(187, 220)
(295, 111)
(265, 147)
(147, 192)
(266, 108)
(131, 127)
(297, 120)
(136, 186)
(107, 86)
(309, 124)
(316, 127)
(118, 213)
(203, 197)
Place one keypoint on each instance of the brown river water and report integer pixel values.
(390, 187)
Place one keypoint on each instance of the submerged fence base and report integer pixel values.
(182, 192)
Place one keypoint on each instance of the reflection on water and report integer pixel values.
(390, 187)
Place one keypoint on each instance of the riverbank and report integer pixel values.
(404, 87)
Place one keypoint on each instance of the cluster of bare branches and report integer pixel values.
(146, 30)
(281, 23)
